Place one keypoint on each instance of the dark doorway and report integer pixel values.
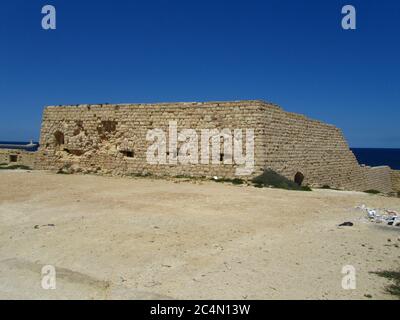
(13, 158)
(298, 178)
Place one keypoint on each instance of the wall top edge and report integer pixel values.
(174, 104)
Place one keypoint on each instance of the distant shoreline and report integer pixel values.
(16, 144)
(378, 157)
(367, 156)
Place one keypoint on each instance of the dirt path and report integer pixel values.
(142, 238)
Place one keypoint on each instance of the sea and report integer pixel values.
(19, 143)
(368, 156)
(378, 157)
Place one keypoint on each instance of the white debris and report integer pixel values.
(387, 216)
(371, 214)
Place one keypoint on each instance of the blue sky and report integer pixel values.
(290, 52)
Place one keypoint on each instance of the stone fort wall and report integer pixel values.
(18, 157)
(112, 139)
(295, 143)
(395, 174)
(378, 178)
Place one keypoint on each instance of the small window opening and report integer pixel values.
(13, 158)
(128, 154)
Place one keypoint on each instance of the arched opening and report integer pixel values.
(58, 138)
(298, 178)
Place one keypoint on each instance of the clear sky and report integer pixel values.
(290, 52)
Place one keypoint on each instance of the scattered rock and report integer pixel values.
(346, 224)
(44, 225)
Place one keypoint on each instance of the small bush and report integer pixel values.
(233, 181)
(237, 181)
(15, 166)
(181, 176)
(140, 175)
(63, 172)
(394, 276)
(270, 178)
(372, 191)
(328, 187)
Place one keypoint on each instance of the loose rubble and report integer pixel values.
(386, 216)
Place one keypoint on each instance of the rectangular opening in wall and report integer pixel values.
(74, 152)
(128, 154)
(13, 158)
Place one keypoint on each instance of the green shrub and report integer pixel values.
(328, 187)
(15, 166)
(270, 178)
(237, 181)
(140, 175)
(233, 181)
(394, 276)
(372, 191)
(63, 172)
(181, 176)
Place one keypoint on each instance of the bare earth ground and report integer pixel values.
(147, 239)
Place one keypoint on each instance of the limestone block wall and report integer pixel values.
(112, 139)
(378, 178)
(395, 175)
(18, 157)
(319, 151)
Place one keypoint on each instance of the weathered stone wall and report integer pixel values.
(100, 137)
(17, 157)
(378, 178)
(319, 151)
(112, 139)
(395, 175)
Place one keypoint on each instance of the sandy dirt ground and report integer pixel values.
(142, 238)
